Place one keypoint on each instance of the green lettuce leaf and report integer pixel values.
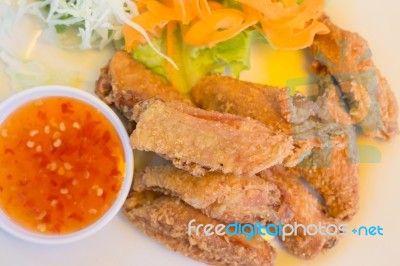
(145, 54)
(228, 57)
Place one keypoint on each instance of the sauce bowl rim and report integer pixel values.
(9, 105)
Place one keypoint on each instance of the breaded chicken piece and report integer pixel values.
(307, 210)
(295, 116)
(337, 183)
(334, 173)
(226, 198)
(166, 219)
(200, 141)
(371, 102)
(266, 104)
(275, 107)
(125, 82)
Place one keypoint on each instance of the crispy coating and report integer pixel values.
(307, 210)
(337, 183)
(198, 140)
(270, 105)
(228, 95)
(294, 115)
(166, 219)
(103, 87)
(334, 173)
(125, 82)
(347, 57)
(226, 198)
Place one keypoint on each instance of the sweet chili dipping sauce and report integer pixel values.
(61, 165)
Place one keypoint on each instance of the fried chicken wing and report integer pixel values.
(166, 219)
(334, 173)
(228, 95)
(198, 140)
(226, 198)
(371, 102)
(295, 116)
(307, 210)
(125, 82)
(337, 183)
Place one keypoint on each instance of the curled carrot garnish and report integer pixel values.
(286, 23)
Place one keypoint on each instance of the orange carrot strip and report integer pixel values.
(214, 5)
(286, 27)
(205, 7)
(294, 14)
(161, 11)
(147, 21)
(267, 7)
(290, 39)
(287, 24)
(201, 31)
(180, 11)
(191, 12)
(309, 10)
(219, 36)
(198, 10)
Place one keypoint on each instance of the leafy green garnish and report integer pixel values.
(145, 54)
(228, 57)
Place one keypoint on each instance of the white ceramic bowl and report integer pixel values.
(11, 104)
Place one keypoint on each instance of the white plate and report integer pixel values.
(121, 244)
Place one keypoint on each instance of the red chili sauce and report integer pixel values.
(61, 165)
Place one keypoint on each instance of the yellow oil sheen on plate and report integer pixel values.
(274, 67)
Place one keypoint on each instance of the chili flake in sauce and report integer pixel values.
(61, 165)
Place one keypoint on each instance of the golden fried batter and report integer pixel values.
(226, 198)
(198, 140)
(270, 105)
(334, 173)
(337, 183)
(307, 210)
(125, 82)
(166, 219)
(347, 57)
(228, 95)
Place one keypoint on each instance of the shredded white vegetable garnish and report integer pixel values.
(94, 24)
(97, 22)
(8, 16)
